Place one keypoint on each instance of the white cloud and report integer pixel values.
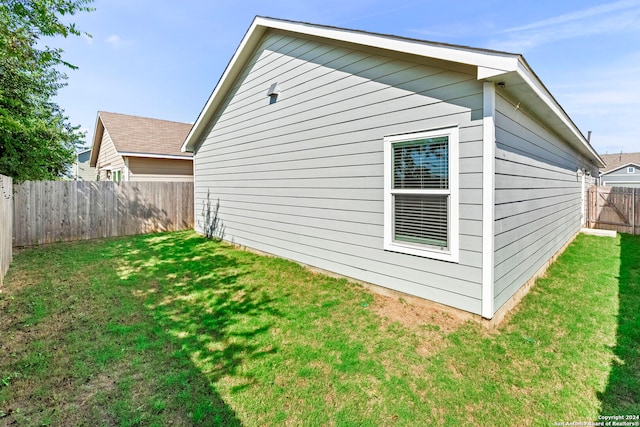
(115, 41)
(611, 18)
(577, 16)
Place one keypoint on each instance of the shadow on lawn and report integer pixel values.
(197, 294)
(622, 395)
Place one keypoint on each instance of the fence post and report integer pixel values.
(6, 224)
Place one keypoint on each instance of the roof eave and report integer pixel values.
(537, 97)
(617, 168)
(97, 141)
(582, 144)
(489, 62)
(491, 65)
(234, 68)
(155, 155)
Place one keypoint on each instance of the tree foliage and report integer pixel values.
(36, 139)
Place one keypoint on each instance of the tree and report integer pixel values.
(36, 139)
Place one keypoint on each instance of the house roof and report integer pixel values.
(140, 136)
(617, 161)
(509, 69)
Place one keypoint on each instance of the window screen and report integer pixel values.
(420, 208)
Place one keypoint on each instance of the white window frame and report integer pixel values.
(631, 169)
(451, 253)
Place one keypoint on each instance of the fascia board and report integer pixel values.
(155, 156)
(501, 61)
(95, 147)
(233, 70)
(529, 77)
(491, 62)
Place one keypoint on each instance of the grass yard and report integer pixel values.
(173, 329)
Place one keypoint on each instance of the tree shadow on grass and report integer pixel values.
(622, 394)
(151, 329)
(203, 297)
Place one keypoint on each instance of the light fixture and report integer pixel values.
(273, 93)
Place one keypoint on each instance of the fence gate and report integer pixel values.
(614, 208)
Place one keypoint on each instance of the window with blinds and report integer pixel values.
(419, 191)
(420, 214)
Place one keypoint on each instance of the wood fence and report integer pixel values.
(6, 224)
(614, 208)
(59, 211)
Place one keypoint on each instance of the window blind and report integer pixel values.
(421, 214)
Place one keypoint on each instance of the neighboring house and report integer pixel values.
(132, 148)
(621, 170)
(445, 172)
(82, 171)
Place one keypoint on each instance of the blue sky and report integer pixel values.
(162, 58)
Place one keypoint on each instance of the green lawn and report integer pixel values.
(174, 329)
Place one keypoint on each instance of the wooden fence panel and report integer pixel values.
(636, 211)
(59, 211)
(6, 224)
(614, 208)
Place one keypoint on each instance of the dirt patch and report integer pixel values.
(414, 313)
(431, 322)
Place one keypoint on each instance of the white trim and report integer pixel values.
(126, 176)
(496, 60)
(582, 199)
(620, 168)
(545, 96)
(453, 252)
(436, 192)
(488, 184)
(234, 68)
(155, 156)
(631, 169)
(611, 183)
(490, 64)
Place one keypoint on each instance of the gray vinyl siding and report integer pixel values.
(85, 171)
(303, 178)
(537, 197)
(621, 178)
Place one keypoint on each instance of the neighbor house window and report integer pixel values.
(631, 169)
(117, 175)
(421, 194)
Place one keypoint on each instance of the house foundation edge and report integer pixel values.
(500, 316)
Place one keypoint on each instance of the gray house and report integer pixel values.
(621, 170)
(444, 172)
(82, 170)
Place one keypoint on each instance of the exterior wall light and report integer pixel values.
(273, 92)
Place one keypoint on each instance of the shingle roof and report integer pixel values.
(615, 161)
(134, 134)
